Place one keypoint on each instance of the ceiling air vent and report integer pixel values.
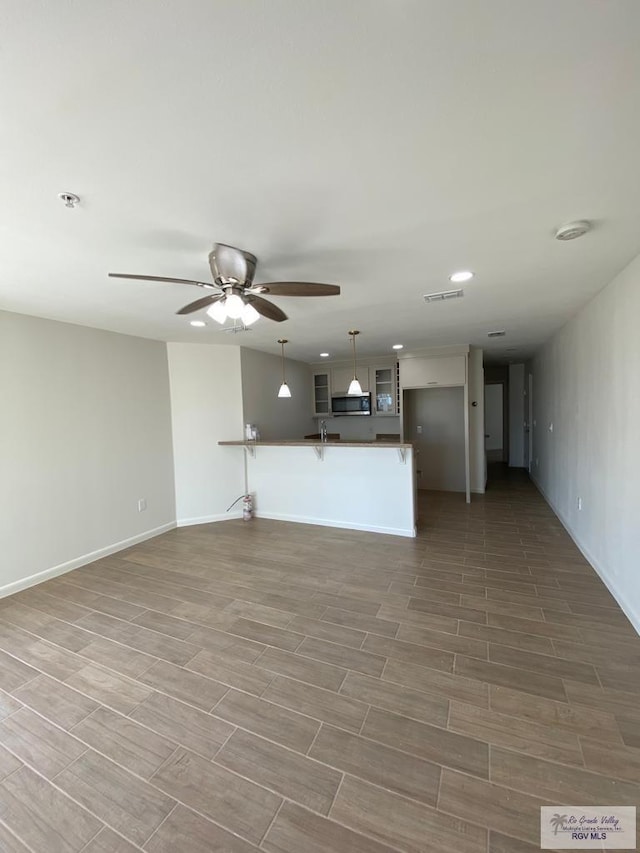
(443, 295)
(498, 334)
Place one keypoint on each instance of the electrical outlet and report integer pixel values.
(142, 504)
(579, 504)
(419, 430)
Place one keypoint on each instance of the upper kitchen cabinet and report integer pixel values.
(341, 379)
(322, 394)
(424, 372)
(384, 378)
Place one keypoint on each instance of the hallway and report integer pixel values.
(279, 687)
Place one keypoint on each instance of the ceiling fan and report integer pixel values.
(236, 296)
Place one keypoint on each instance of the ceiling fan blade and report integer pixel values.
(297, 288)
(160, 278)
(229, 263)
(266, 308)
(199, 303)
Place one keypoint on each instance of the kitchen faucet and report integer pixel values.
(323, 430)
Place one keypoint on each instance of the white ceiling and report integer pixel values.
(376, 144)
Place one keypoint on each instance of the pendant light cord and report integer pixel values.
(353, 341)
(282, 342)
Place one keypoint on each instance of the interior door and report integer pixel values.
(494, 422)
(530, 425)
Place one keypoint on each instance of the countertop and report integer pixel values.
(315, 442)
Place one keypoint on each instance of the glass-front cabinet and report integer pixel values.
(321, 394)
(385, 389)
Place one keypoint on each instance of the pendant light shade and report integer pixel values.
(234, 306)
(284, 390)
(355, 389)
(218, 311)
(249, 315)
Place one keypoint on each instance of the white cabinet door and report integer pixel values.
(341, 379)
(428, 372)
(383, 379)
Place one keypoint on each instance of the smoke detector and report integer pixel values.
(573, 230)
(499, 333)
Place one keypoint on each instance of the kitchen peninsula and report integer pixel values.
(359, 485)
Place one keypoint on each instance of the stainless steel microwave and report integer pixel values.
(354, 405)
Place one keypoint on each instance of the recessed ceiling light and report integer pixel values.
(198, 323)
(324, 355)
(463, 275)
(397, 346)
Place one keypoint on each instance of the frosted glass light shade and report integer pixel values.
(355, 389)
(284, 391)
(234, 306)
(249, 314)
(218, 311)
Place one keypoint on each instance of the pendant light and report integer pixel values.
(284, 388)
(355, 389)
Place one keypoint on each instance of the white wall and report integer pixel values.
(206, 407)
(586, 383)
(361, 428)
(363, 488)
(85, 432)
(277, 418)
(516, 415)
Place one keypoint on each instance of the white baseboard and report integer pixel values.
(631, 615)
(326, 522)
(70, 565)
(207, 519)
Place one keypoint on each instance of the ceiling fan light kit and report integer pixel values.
(355, 389)
(236, 295)
(284, 390)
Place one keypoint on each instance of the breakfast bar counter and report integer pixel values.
(316, 442)
(360, 485)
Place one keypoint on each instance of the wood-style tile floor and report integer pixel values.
(293, 689)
